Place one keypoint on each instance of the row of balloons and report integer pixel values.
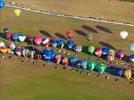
(50, 55)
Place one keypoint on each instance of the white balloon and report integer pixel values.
(131, 46)
(2, 44)
(124, 34)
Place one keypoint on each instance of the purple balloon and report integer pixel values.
(120, 54)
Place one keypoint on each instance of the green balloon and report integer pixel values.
(101, 68)
(91, 65)
(91, 49)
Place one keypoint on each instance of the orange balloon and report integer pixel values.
(4, 50)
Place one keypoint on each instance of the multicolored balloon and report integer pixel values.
(98, 52)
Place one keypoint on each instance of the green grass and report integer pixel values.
(25, 81)
(107, 9)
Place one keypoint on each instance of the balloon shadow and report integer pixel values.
(103, 29)
(89, 29)
(81, 33)
(60, 36)
(107, 45)
(45, 33)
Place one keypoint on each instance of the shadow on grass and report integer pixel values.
(60, 36)
(103, 29)
(90, 29)
(107, 45)
(45, 33)
(81, 33)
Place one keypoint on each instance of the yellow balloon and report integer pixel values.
(17, 12)
(128, 74)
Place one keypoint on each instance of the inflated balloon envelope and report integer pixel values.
(124, 34)
(2, 4)
(17, 12)
(131, 46)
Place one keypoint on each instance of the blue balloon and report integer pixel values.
(61, 42)
(131, 57)
(15, 37)
(105, 50)
(84, 64)
(70, 44)
(48, 55)
(54, 42)
(72, 61)
(119, 71)
(2, 4)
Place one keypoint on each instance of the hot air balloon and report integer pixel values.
(31, 54)
(12, 46)
(2, 4)
(8, 35)
(123, 34)
(37, 40)
(111, 55)
(21, 37)
(48, 54)
(119, 71)
(84, 64)
(78, 48)
(131, 57)
(57, 58)
(25, 52)
(61, 43)
(17, 12)
(120, 54)
(46, 42)
(78, 64)
(127, 74)
(29, 39)
(72, 61)
(18, 51)
(54, 43)
(101, 67)
(69, 34)
(91, 49)
(91, 65)
(105, 51)
(14, 37)
(70, 44)
(65, 61)
(2, 44)
(4, 50)
(38, 55)
(98, 52)
(131, 46)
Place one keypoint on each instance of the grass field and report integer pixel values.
(25, 81)
(107, 9)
